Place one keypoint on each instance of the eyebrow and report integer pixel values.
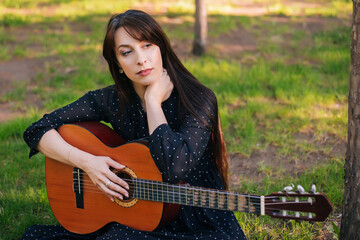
(123, 45)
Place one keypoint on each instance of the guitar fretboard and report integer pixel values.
(195, 196)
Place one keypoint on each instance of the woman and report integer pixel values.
(154, 96)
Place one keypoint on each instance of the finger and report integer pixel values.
(117, 180)
(113, 177)
(114, 164)
(118, 190)
(110, 193)
(118, 184)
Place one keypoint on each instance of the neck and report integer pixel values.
(196, 196)
(140, 91)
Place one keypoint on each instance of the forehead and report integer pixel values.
(122, 37)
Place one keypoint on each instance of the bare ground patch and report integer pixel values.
(269, 162)
(14, 73)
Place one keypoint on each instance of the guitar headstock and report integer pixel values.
(298, 205)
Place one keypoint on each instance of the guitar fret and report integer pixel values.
(236, 202)
(173, 195)
(226, 200)
(183, 195)
(193, 196)
(190, 197)
(147, 192)
(203, 197)
(160, 194)
(156, 191)
(197, 197)
(232, 202)
(178, 195)
(142, 190)
(221, 203)
(212, 199)
(153, 189)
(241, 202)
(137, 190)
(165, 189)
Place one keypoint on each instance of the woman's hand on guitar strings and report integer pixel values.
(98, 169)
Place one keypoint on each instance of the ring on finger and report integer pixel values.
(108, 183)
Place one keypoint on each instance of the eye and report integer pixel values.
(147, 45)
(125, 52)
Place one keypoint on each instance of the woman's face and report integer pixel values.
(140, 60)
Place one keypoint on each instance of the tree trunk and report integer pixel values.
(350, 223)
(199, 46)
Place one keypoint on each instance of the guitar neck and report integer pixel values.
(196, 196)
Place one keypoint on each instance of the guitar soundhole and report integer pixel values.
(126, 177)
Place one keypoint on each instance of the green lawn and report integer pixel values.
(288, 94)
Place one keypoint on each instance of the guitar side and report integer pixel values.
(97, 209)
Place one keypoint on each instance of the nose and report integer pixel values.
(141, 60)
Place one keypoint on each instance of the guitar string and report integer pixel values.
(97, 190)
(195, 188)
(182, 196)
(144, 189)
(184, 187)
(268, 209)
(256, 205)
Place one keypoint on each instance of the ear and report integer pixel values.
(120, 68)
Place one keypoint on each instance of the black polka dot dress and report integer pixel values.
(180, 149)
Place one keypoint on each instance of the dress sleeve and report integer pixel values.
(86, 108)
(178, 153)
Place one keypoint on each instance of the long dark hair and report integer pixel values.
(192, 94)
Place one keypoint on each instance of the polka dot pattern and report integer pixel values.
(180, 149)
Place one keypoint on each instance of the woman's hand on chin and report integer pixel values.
(160, 90)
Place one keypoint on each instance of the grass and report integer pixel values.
(291, 96)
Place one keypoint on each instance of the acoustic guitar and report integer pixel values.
(81, 207)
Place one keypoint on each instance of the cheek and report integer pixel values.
(123, 64)
(157, 56)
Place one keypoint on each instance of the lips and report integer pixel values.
(145, 72)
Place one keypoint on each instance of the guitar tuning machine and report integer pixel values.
(313, 189)
(300, 189)
(288, 188)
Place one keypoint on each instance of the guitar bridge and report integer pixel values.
(78, 187)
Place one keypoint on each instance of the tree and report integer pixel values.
(199, 45)
(350, 223)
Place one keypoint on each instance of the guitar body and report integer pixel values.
(97, 209)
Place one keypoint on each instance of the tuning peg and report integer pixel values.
(300, 189)
(288, 188)
(313, 189)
